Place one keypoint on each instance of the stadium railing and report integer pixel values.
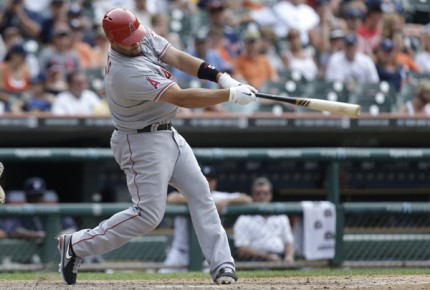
(366, 232)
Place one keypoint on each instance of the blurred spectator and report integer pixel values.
(251, 66)
(161, 25)
(76, 14)
(216, 42)
(218, 19)
(57, 14)
(404, 55)
(14, 14)
(269, 46)
(370, 31)
(326, 10)
(77, 99)
(32, 227)
(353, 17)
(386, 66)
(37, 99)
(85, 52)
(14, 75)
(349, 65)
(101, 49)
(291, 14)
(179, 251)
(297, 58)
(13, 37)
(140, 10)
(201, 50)
(421, 103)
(336, 45)
(59, 57)
(391, 23)
(264, 238)
(422, 58)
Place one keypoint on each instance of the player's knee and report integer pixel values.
(153, 215)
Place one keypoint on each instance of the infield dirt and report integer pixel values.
(384, 282)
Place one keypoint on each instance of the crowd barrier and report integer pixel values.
(384, 233)
(375, 234)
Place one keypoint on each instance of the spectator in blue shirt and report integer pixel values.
(386, 66)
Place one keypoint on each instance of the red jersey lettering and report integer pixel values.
(166, 73)
(153, 82)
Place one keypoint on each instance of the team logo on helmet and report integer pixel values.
(132, 28)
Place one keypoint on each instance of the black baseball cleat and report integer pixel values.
(70, 263)
(225, 275)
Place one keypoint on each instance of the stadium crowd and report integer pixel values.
(53, 51)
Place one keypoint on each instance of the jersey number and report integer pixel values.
(153, 82)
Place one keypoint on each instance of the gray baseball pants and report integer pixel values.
(151, 161)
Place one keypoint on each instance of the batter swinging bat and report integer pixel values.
(316, 104)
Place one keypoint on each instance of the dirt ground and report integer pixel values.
(384, 282)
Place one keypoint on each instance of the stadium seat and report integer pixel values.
(407, 93)
(417, 76)
(374, 98)
(416, 5)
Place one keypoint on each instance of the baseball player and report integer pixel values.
(143, 99)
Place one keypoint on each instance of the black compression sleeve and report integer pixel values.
(207, 72)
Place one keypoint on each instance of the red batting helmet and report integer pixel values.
(122, 26)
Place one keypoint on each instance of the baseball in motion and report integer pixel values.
(2, 195)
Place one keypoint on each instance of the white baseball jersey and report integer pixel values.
(138, 85)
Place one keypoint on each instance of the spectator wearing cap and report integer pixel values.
(77, 99)
(269, 46)
(370, 31)
(263, 238)
(218, 19)
(353, 16)
(422, 58)
(14, 75)
(60, 54)
(13, 37)
(350, 65)
(14, 14)
(252, 66)
(386, 65)
(420, 104)
(58, 13)
(37, 99)
(297, 58)
(87, 57)
(32, 227)
(178, 254)
(336, 42)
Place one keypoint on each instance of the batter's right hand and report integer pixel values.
(242, 95)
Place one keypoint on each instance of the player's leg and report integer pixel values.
(147, 160)
(188, 179)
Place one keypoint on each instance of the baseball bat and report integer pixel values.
(317, 104)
